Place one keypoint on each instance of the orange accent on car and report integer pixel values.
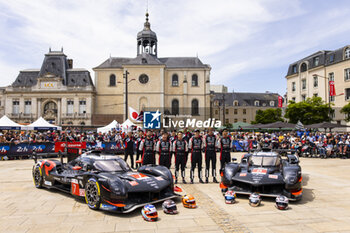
(223, 186)
(221, 174)
(297, 192)
(301, 179)
(76, 168)
(48, 168)
(105, 188)
(138, 175)
(116, 204)
(177, 189)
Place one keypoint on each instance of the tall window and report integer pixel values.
(347, 74)
(303, 67)
(175, 107)
(175, 80)
(112, 80)
(244, 120)
(331, 58)
(235, 120)
(195, 107)
(70, 107)
(82, 106)
(293, 99)
(244, 111)
(194, 80)
(303, 84)
(293, 86)
(331, 76)
(27, 107)
(226, 111)
(303, 97)
(347, 93)
(235, 111)
(315, 81)
(15, 107)
(316, 61)
(347, 53)
(294, 69)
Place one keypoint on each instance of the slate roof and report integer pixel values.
(248, 98)
(170, 62)
(55, 62)
(326, 58)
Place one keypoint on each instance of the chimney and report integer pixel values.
(70, 63)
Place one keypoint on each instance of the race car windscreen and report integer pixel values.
(263, 160)
(110, 166)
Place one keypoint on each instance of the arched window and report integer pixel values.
(303, 67)
(194, 80)
(194, 107)
(175, 107)
(112, 80)
(256, 103)
(175, 80)
(347, 53)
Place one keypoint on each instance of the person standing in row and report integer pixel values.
(210, 143)
(180, 148)
(196, 146)
(138, 150)
(129, 141)
(225, 146)
(163, 147)
(148, 149)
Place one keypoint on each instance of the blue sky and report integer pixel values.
(249, 44)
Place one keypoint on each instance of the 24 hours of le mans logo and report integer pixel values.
(151, 120)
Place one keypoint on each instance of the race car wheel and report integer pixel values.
(92, 194)
(37, 177)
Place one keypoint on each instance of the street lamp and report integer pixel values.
(125, 75)
(329, 96)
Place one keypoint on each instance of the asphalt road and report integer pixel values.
(325, 206)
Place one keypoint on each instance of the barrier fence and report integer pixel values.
(25, 149)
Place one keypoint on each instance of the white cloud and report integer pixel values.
(232, 36)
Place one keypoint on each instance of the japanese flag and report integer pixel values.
(133, 114)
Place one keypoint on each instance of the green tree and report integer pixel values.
(268, 116)
(312, 110)
(346, 111)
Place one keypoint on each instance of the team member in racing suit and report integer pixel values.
(196, 146)
(180, 148)
(210, 144)
(138, 150)
(172, 139)
(225, 146)
(164, 149)
(129, 148)
(148, 149)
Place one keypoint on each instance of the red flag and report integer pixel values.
(331, 88)
(280, 101)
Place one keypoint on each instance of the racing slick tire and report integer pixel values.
(38, 177)
(93, 194)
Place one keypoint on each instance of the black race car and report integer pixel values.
(265, 172)
(106, 181)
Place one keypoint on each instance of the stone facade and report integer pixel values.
(57, 92)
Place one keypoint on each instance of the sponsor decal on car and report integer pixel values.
(133, 183)
(49, 183)
(108, 207)
(139, 176)
(259, 171)
(159, 178)
(243, 174)
(75, 187)
(81, 192)
(273, 177)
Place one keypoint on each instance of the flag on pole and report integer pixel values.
(133, 114)
(140, 117)
(331, 88)
(280, 101)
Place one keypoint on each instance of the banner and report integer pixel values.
(331, 88)
(280, 101)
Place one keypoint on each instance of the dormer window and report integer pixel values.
(294, 69)
(303, 67)
(144, 61)
(256, 103)
(235, 103)
(347, 53)
(272, 103)
(316, 61)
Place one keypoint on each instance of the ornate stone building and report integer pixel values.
(175, 85)
(58, 92)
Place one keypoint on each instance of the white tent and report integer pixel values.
(42, 124)
(126, 126)
(8, 124)
(105, 129)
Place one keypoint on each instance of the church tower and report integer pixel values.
(147, 40)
